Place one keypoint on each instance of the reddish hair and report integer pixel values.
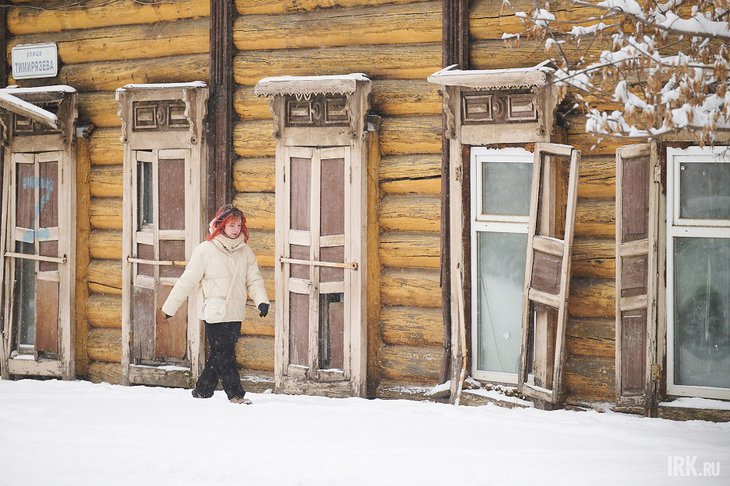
(225, 214)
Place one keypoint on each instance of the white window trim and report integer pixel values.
(678, 227)
(490, 223)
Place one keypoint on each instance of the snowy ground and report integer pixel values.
(78, 433)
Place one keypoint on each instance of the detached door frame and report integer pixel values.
(45, 135)
(161, 122)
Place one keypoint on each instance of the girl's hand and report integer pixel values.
(263, 310)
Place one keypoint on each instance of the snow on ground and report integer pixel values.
(78, 433)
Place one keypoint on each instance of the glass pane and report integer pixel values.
(506, 188)
(331, 331)
(702, 311)
(704, 190)
(500, 277)
(24, 295)
(145, 214)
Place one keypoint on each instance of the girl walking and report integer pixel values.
(225, 267)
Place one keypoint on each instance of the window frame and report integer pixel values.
(490, 223)
(677, 227)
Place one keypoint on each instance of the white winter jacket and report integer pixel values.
(212, 265)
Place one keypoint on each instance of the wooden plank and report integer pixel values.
(46, 325)
(179, 37)
(110, 75)
(254, 175)
(255, 352)
(590, 379)
(105, 345)
(597, 178)
(411, 326)
(592, 298)
(410, 213)
(100, 109)
(409, 23)
(106, 181)
(411, 363)
(259, 209)
(409, 250)
(105, 245)
(407, 61)
(105, 276)
(412, 287)
(32, 17)
(105, 147)
(593, 258)
(411, 135)
(252, 7)
(104, 311)
(170, 335)
(143, 324)
(591, 337)
(595, 219)
(106, 213)
(411, 174)
(83, 227)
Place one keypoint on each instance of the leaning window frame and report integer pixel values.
(490, 223)
(685, 227)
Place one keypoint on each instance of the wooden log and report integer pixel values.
(410, 213)
(591, 145)
(262, 244)
(258, 326)
(36, 17)
(254, 175)
(406, 61)
(255, 352)
(406, 97)
(106, 147)
(110, 75)
(105, 276)
(411, 287)
(105, 245)
(105, 213)
(409, 250)
(390, 97)
(141, 41)
(498, 54)
(590, 379)
(593, 258)
(104, 311)
(411, 363)
(591, 337)
(253, 7)
(105, 345)
(400, 390)
(411, 23)
(411, 326)
(595, 218)
(259, 208)
(104, 372)
(254, 139)
(106, 181)
(592, 298)
(100, 109)
(597, 179)
(670, 412)
(411, 135)
(411, 174)
(269, 282)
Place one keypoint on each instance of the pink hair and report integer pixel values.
(227, 213)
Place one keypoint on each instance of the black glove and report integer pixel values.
(263, 310)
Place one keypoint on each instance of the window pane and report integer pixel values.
(702, 311)
(500, 281)
(506, 188)
(24, 295)
(145, 215)
(704, 190)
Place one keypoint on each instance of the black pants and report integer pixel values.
(221, 364)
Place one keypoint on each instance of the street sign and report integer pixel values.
(35, 61)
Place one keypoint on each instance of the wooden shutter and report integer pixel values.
(547, 272)
(636, 272)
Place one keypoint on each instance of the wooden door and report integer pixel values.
(637, 186)
(315, 265)
(33, 260)
(547, 272)
(158, 253)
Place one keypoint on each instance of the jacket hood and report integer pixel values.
(229, 245)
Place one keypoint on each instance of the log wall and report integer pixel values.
(397, 43)
(103, 46)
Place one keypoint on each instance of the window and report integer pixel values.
(501, 182)
(698, 272)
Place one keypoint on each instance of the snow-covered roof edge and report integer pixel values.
(307, 85)
(24, 108)
(510, 78)
(56, 88)
(192, 84)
